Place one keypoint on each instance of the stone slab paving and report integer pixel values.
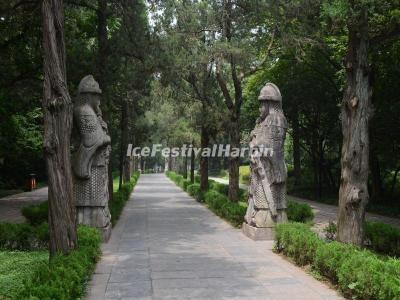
(10, 206)
(324, 213)
(168, 246)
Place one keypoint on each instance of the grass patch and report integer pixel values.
(17, 267)
(65, 277)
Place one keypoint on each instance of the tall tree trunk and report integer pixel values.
(57, 108)
(124, 160)
(296, 148)
(192, 163)
(356, 108)
(234, 162)
(204, 141)
(185, 167)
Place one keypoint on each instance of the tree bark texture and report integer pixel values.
(234, 162)
(57, 109)
(204, 141)
(192, 164)
(355, 114)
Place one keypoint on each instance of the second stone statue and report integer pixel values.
(267, 192)
(90, 158)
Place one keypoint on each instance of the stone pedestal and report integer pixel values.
(258, 233)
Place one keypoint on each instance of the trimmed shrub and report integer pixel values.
(299, 212)
(23, 236)
(185, 184)
(297, 241)
(383, 238)
(330, 256)
(219, 187)
(221, 206)
(36, 213)
(65, 277)
(194, 191)
(120, 198)
(360, 274)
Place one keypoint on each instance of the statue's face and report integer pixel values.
(264, 109)
(94, 100)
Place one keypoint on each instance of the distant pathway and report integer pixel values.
(324, 213)
(168, 246)
(10, 206)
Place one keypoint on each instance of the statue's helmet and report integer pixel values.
(270, 92)
(89, 85)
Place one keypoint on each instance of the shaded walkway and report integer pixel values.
(168, 246)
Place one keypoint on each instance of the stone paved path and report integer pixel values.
(324, 213)
(10, 206)
(168, 246)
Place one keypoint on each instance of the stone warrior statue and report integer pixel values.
(90, 158)
(267, 191)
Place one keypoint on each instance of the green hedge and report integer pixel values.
(217, 201)
(383, 238)
(194, 191)
(36, 213)
(231, 211)
(65, 277)
(359, 274)
(120, 197)
(23, 236)
(299, 212)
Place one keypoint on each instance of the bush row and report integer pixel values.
(233, 212)
(37, 213)
(121, 196)
(383, 238)
(23, 236)
(359, 274)
(217, 201)
(65, 277)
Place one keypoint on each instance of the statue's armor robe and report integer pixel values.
(268, 135)
(90, 167)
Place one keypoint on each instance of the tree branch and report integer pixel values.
(261, 64)
(223, 87)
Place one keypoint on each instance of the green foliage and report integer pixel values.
(36, 213)
(216, 199)
(16, 268)
(194, 191)
(221, 206)
(65, 277)
(185, 184)
(299, 212)
(120, 197)
(219, 187)
(360, 274)
(23, 236)
(297, 241)
(383, 238)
